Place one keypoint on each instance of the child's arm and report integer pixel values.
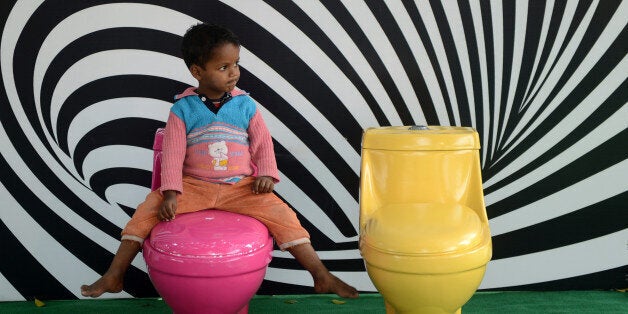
(263, 185)
(261, 147)
(169, 207)
(173, 154)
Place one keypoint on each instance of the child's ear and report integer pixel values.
(196, 71)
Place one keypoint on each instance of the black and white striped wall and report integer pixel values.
(86, 83)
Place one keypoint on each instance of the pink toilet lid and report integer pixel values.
(210, 234)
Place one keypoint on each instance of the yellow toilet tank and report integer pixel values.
(419, 184)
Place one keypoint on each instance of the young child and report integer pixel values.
(217, 153)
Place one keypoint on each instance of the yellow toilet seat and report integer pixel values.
(428, 238)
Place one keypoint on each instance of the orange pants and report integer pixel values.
(279, 218)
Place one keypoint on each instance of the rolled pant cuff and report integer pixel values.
(133, 238)
(296, 242)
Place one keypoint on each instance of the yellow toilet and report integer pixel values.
(424, 233)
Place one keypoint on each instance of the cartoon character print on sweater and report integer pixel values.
(218, 151)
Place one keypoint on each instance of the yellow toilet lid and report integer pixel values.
(409, 229)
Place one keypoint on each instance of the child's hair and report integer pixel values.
(200, 40)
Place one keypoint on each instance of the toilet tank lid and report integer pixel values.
(210, 233)
(420, 138)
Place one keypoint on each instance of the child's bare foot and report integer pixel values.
(329, 283)
(106, 283)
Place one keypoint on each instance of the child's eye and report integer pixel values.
(222, 68)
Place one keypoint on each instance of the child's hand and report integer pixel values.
(263, 185)
(168, 207)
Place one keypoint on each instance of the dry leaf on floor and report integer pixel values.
(39, 303)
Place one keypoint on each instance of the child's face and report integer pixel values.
(221, 73)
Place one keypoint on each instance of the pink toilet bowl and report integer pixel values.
(209, 261)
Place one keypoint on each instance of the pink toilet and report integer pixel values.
(209, 261)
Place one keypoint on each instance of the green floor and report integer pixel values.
(605, 302)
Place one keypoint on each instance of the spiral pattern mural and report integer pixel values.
(85, 84)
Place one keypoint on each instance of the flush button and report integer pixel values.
(418, 127)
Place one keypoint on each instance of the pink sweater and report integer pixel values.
(220, 147)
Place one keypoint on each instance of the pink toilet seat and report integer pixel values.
(218, 242)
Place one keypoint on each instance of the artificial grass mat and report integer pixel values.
(528, 302)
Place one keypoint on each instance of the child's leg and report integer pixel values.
(197, 197)
(285, 227)
(324, 281)
(111, 281)
(144, 219)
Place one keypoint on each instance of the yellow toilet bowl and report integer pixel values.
(424, 233)
(425, 258)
